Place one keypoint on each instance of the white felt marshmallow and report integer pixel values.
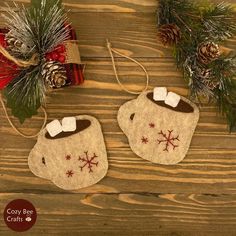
(54, 128)
(69, 124)
(172, 99)
(159, 94)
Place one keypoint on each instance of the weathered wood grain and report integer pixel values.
(134, 34)
(130, 214)
(194, 198)
(102, 96)
(209, 166)
(203, 171)
(125, 6)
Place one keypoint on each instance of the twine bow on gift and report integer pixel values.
(34, 60)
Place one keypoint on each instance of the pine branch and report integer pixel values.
(50, 27)
(225, 72)
(25, 94)
(18, 24)
(202, 27)
(49, 3)
(179, 7)
(219, 22)
(228, 109)
(40, 29)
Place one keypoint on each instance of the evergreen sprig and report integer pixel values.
(203, 24)
(225, 71)
(25, 93)
(41, 28)
(219, 22)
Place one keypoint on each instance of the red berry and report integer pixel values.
(62, 59)
(14, 66)
(55, 56)
(4, 44)
(60, 49)
(48, 57)
(2, 39)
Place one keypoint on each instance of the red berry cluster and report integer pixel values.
(57, 55)
(8, 69)
(2, 40)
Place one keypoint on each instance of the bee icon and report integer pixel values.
(28, 219)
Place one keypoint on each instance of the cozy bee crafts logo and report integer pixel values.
(20, 215)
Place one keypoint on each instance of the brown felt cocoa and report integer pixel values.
(182, 106)
(80, 126)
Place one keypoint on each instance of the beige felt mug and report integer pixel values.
(71, 160)
(158, 132)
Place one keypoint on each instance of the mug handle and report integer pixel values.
(126, 115)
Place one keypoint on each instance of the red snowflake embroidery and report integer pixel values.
(69, 173)
(144, 140)
(68, 157)
(88, 161)
(152, 125)
(169, 140)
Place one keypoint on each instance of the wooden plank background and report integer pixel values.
(195, 197)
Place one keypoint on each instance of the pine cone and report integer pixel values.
(208, 52)
(54, 74)
(14, 44)
(169, 34)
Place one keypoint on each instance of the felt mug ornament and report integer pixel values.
(159, 125)
(156, 131)
(74, 159)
